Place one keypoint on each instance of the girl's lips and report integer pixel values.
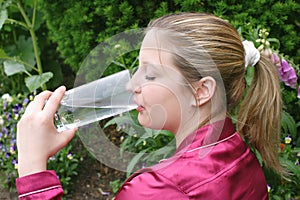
(140, 108)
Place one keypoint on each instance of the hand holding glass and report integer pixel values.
(95, 101)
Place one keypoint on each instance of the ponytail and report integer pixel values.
(259, 118)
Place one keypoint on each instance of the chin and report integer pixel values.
(148, 123)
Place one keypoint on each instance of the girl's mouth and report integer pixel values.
(140, 108)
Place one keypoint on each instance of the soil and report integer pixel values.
(93, 181)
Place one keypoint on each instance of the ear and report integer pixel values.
(204, 90)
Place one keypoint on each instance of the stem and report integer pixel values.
(36, 53)
(24, 15)
(16, 22)
(123, 62)
(33, 37)
(34, 13)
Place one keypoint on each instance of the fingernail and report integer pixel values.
(62, 87)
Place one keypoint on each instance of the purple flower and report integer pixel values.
(7, 155)
(13, 142)
(14, 161)
(25, 102)
(70, 156)
(7, 115)
(288, 74)
(298, 92)
(4, 130)
(5, 105)
(275, 60)
(17, 108)
(12, 150)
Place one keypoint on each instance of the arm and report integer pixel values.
(41, 185)
(37, 140)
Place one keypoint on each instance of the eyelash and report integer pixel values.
(150, 78)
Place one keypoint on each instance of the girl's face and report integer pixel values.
(163, 96)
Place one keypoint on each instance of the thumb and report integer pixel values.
(65, 137)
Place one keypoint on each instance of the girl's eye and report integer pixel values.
(149, 78)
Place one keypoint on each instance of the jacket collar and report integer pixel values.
(207, 135)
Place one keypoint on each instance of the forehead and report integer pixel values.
(154, 51)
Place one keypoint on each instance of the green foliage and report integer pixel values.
(77, 26)
(65, 162)
(11, 108)
(279, 187)
(115, 185)
(150, 145)
(21, 56)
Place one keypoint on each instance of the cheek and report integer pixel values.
(154, 117)
(163, 108)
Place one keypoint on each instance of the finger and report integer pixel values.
(38, 103)
(54, 101)
(65, 137)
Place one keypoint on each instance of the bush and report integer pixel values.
(78, 26)
(26, 55)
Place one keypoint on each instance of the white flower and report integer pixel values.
(288, 139)
(7, 97)
(117, 46)
(1, 121)
(269, 188)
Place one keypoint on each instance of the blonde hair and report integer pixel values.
(259, 117)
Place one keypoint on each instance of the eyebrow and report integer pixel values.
(145, 64)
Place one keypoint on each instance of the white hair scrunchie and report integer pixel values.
(252, 55)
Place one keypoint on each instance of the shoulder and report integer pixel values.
(229, 168)
(150, 185)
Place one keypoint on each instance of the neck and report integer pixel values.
(184, 131)
(192, 125)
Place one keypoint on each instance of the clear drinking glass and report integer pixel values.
(95, 101)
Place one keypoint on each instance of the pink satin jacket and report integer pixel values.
(212, 163)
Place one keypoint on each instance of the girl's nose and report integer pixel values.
(133, 86)
(137, 90)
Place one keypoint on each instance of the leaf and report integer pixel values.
(134, 161)
(288, 124)
(249, 75)
(3, 17)
(2, 53)
(36, 81)
(291, 167)
(25, 50)
(119, 120)
(13, 67)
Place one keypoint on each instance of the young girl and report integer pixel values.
(191, 75)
